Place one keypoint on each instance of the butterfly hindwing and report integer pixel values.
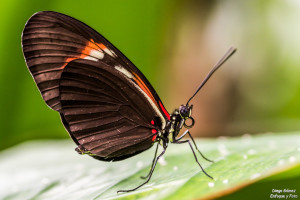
(105, 111)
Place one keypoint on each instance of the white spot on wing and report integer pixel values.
(90, 58)
(97, 54)
(115, 55)
(110, 52)
(124, 71)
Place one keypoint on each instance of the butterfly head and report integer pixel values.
(185, 112)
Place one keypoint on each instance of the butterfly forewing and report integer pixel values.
(51, 40)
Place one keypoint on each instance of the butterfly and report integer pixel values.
(106, 104)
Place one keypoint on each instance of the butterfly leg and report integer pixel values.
(188, 141)
(150, 174)
(155, 154)
(188, 132)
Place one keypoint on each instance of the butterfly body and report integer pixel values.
(106, 104)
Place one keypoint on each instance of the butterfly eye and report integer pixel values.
(185, 111)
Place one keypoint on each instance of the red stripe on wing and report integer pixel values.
(164, 110)
(144, 87)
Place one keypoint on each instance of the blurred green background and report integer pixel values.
(174, 43)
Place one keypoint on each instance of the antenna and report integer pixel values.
(227, 55)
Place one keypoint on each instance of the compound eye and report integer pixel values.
(185, 111)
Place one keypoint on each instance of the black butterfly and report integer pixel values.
(106, 104)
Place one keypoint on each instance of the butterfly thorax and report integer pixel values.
(177, 121)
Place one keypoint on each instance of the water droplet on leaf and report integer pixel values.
(211, 184)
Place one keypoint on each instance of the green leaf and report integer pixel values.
(243, 165)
